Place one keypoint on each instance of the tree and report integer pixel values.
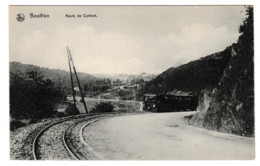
(32, 97)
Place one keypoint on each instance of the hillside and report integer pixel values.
(60, 78)
(195, 76)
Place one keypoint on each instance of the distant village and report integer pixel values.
(120, 87)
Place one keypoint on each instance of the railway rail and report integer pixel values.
(83, 141)
(67, 140)
(77, 145)
(36, 155)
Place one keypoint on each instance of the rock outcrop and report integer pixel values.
(232, 106)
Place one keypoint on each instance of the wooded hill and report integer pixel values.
(59, 77)
(194, 76)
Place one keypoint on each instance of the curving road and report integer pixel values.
(164, 136)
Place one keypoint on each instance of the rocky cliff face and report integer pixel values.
(232, 105)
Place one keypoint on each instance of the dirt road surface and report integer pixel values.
(163, 136)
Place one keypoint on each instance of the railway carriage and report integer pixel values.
(170, 103)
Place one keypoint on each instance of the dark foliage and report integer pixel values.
(72, 110)
(32, 97)
(14, 124)
(104, 107)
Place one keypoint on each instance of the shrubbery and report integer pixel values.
(72, 110)
(104, 107)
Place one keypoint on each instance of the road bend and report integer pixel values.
(163, 136)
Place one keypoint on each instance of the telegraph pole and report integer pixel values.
(82, 96)
(71, 79)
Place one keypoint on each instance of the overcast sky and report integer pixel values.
(122, 39)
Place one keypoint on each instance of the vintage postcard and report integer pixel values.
(131, 82)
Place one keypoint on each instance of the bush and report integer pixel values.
(72, 110)
(104, 107)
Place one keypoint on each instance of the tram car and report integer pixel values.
(150, 102)
(170, 103)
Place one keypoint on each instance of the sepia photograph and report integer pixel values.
(170, 82)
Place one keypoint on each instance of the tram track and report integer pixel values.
(74, 141)
(27, 142)
(83, 140)
(60, 140)
(37, 144)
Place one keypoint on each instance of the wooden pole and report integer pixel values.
(71, 79)
(82, 96)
